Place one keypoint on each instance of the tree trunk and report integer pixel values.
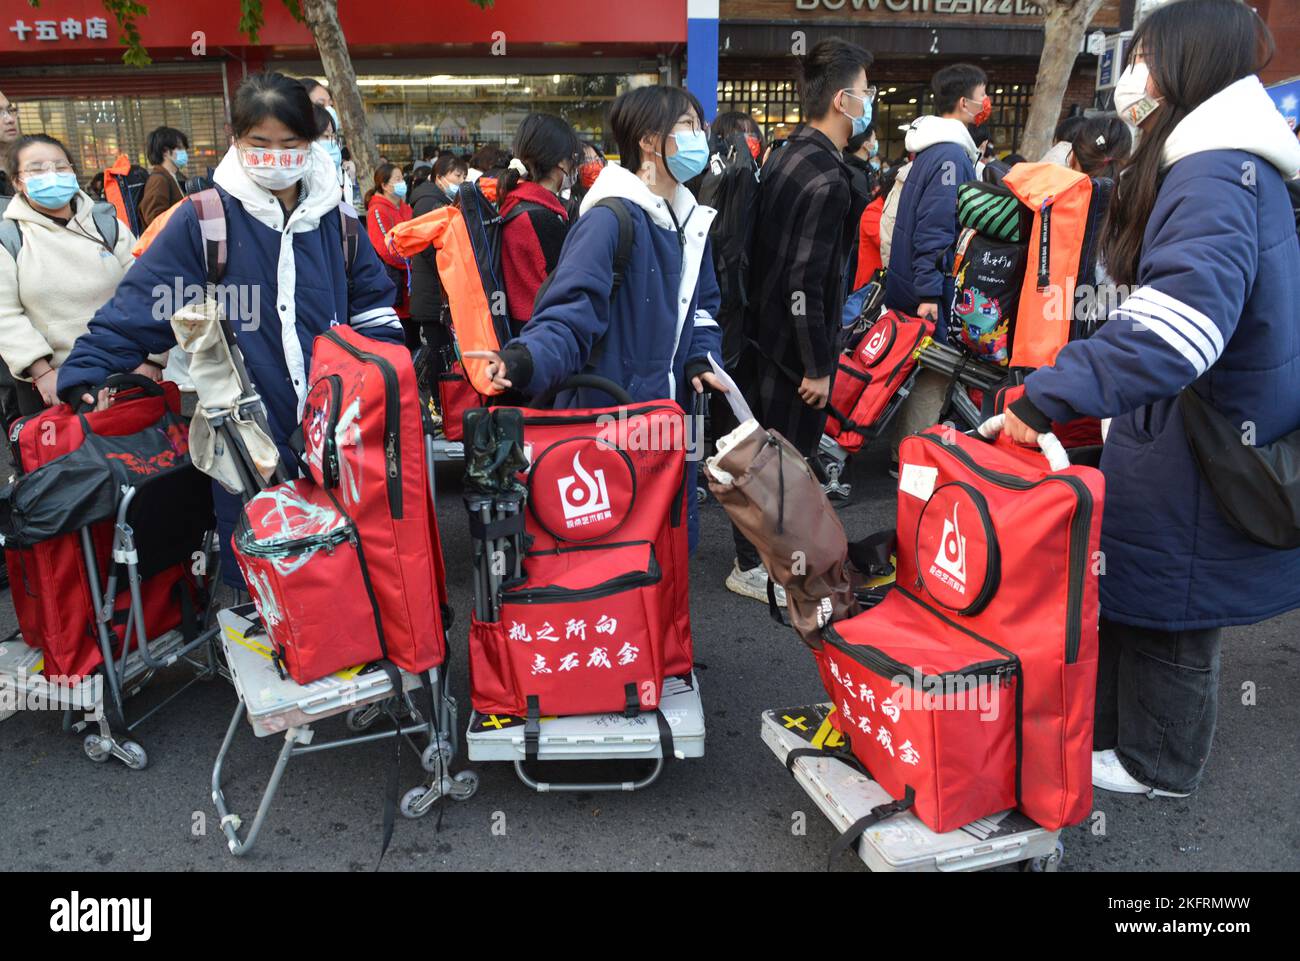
(1063, 31)
(323, 19)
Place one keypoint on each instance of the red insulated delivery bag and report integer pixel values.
(601, 615)
(870, 377)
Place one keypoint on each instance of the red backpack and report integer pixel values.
(867, 385)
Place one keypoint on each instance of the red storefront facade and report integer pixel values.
(442, 73)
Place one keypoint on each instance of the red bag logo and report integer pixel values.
(879, 337)
(584, 496)
(581, 489)
(950, 561)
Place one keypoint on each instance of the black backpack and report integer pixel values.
(730, 186)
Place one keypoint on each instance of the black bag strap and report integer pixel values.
(870, 555)
(532, 729)
(878, 814)
(631, 703)
(666, 747)
(626, 238)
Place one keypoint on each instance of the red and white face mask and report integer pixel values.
(274, 169)
(986, 110)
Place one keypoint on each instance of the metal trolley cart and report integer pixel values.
(276, 705)
(161, 521)
(595, 737)
(899, 842)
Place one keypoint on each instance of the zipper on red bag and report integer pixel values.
(890, 668)
(392, 419)
(1080, 524)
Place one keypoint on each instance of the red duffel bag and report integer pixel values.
(995, 543)
(870, 376)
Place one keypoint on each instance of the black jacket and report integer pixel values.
(426, 291)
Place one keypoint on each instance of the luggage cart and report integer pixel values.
(675, 730)
(276, 705)
(899, 842)
(595, 737)
(141, 545)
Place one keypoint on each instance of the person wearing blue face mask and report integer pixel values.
(386, 207)
(652, 335)
(168, 150)
(61, 257)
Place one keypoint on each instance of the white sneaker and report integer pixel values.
(1109, 775)
(753, 583)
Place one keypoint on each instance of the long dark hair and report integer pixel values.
(542, 142)
(1101, 146)
(1193, 48)
(382, 173)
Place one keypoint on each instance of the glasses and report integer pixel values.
(9, 111)
(49, 167)
(867, 97)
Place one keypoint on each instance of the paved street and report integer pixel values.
(730, 810)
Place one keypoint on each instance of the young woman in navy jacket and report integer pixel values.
(656, 333)
(1201, 233)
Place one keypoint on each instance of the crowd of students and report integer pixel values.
(1210, 258)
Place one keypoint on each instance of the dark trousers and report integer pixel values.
(1157, 701)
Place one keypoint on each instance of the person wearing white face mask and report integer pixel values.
(1200, 232)
(61, 256)
(287, 277)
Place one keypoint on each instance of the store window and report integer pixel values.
(462, 113)
(97, 130)
(774, 104)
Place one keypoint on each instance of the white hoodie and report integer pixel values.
(1241, 116)
(693, 218)
(929, 130)
(321, 197)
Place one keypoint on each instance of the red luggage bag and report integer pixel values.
(363, 440)
(997, 545)
(607, 518)
(869, 378)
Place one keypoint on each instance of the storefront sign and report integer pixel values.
(69, 28)
(955, 8)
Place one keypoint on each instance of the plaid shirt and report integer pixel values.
(802, 234)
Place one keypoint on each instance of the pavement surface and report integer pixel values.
(730, 810)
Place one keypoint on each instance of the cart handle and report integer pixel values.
(1057, 458)
(120, 382)
(593, 381)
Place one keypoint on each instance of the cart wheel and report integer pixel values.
(436, 754)
(410, 800)
(467, 785)
(139, 759)
(357, 719)
(1048, 862)
(96, 749)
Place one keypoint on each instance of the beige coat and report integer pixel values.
(890, 212)
(62, 276)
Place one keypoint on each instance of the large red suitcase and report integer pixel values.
(607, 520)
(994, 543)
(363, 439)
(870, 376)
(49, 581)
